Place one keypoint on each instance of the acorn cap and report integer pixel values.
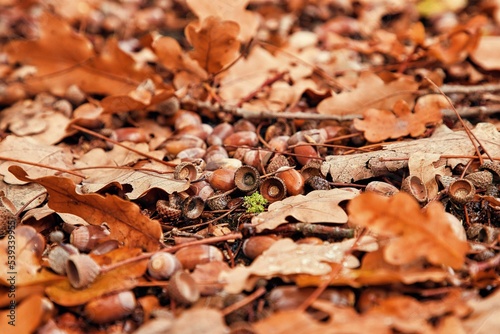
(276, 163)
(246, 178)
(461, 191)
(318, 183)
(185, 171)
(415, 187)
(87, 237)
(273, 189)
(218, 201)
(493, 167)
(193, 207)
(58, 256)
(167, 212)
(481, 179)
(82, 270)
(183, 289)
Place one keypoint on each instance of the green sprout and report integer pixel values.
(254, 203)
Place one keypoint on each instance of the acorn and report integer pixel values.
(163, 265)
(215, 153)
(202, 189)
(246, 178)
(273, 189)
(86, 237)
(256, 158)
(58, 256)
(220, 132)
(244, 125)
(198, 130)
(191, 153)
(461, 191)
(382, 188)
(415, 187)
(193, 207)
(222, 179)
(317, 136)
(279, 144)
(239, 139)
(294, 182)
(256, 245)
(167, 211)
(135, 135)
(185, 171)
(191, 256)
(184, 118)
(176, 144)
(317, 183)
(82, 270)
(305, 153)
(276, 163)
(183, 289)
(481, 179)
(218, 201)
(105, 247)
(110, 308)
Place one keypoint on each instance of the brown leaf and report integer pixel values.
(484, 55)
(31, 308)
(319, 206)
(215, 43)
(74, 62)
(122, 278)
(371, 92)
(415, 233)
(485, 317)
(137, 99)
(208, 320)
(234, 11)
(127, 224)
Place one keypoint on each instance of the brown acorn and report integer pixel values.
(461, 191)
(86, 237)
(305, 153)
(220, 132)
(256, 245)
(202, 189)
(110, 308)
(222, 179)
(273, 189)
(382, 188)
(82, 270)
(193, 207)
(415, 187)
(190, 154)
(163, 265)
(279, 144)
(239, 139)
(135, 135)
(294, 181)
(183, 289)
(191, 256)
(184, 118)
(246, 178)
(276, 163)
(176, 144)
(185, 171)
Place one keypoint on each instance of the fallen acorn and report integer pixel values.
(87, 237)
(110, 308)
(183, 289)
(191, 256)
(163, 265)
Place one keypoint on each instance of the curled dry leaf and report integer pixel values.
(379, 125)
(214, 41)
(319, 206)
(285, 258)
(127, 224)
(414, 233)
(484, 55)
(371, 92)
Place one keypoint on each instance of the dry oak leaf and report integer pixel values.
(233, 10)
(214, 41)
(122, 278)
(370, 92)
(485, 317)
(207, 321)
(28, 316)
(285, 258)
(127, 224)
(74, 62)
(485, 53)
(318, 206)
(379, 125)
(426, 166)
(414, 233)
(28, 149)
(21, 253)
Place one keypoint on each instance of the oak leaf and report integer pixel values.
(371, 92)
(318, 206)
(414, 233)
(214, 41)
(484, 54)
(127, 224)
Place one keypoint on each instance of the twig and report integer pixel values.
(265, 84)
(247, 300)
(62, 170)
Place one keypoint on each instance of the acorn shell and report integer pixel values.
(185, 171)
(493, 167)
(193, 207)
(461, 191)
(86, 237)
(110, 308)
(246, 178)
(163, 265)
(273, 189)
(82, 270)
(481, 179)
(183, 289)
(415, 187)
